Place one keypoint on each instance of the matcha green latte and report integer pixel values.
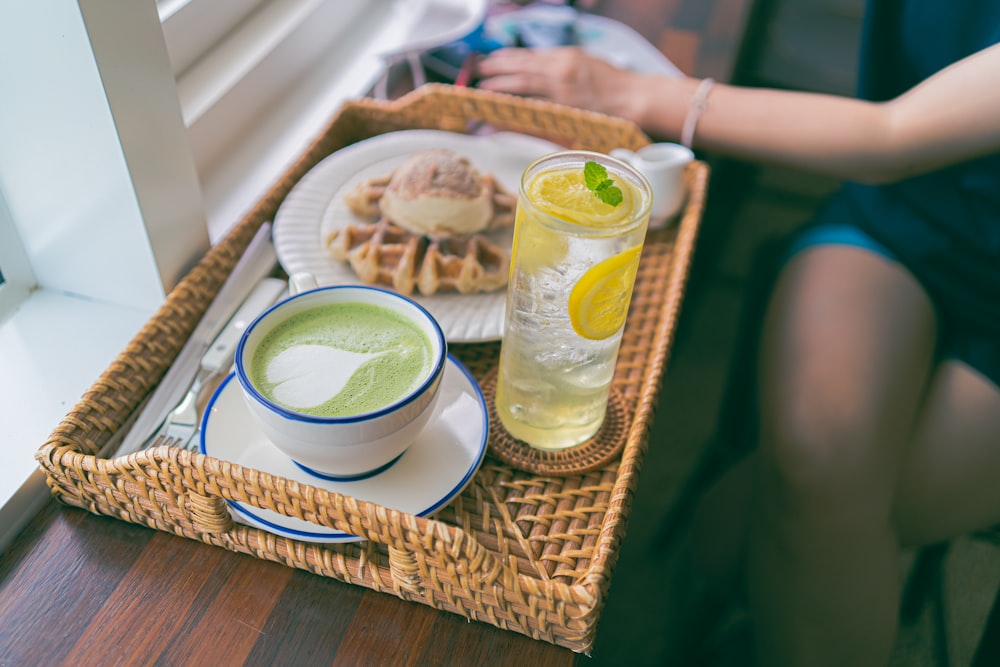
(341, 359)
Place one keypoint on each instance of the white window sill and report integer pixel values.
(50, 353)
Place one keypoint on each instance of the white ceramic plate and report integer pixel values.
(435, 469)
(316, 205)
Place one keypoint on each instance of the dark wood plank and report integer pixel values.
(385, 631)
(233, 613)
(489, 646)
(308, 623)
(126, 622)
(55, 579)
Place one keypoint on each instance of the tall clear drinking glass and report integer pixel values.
(574, 261)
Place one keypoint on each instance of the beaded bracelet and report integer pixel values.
(698, 104)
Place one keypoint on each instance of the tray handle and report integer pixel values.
(189, 491)
(459, 109)
(428, 560)
(196, 487)
(263, 490)
(415, 545)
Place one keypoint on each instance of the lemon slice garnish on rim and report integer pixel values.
(564, 194)
(598, 303)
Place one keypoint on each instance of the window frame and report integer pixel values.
(191, 28)
(100, 328)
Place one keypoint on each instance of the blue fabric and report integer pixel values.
(837, 234)
(943, 226)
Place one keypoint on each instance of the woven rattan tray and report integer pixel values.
(527, 553)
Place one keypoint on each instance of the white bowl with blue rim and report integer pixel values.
(348, 446)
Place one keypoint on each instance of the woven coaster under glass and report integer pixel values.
(598, 452)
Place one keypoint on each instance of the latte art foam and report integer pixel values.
(341, 360)
(305, 376)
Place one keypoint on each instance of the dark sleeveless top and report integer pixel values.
(945, 225)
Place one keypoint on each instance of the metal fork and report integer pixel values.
(182, 423)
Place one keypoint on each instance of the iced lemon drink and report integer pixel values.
(580, 224)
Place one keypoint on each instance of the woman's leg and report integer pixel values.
(950, 481)
(847, 353)
(948, 485)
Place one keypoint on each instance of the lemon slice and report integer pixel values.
(598, 303)
(564, 194)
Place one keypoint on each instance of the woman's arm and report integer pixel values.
(950, 117)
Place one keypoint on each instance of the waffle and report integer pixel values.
(364, 199)
(422, 227)
(385, 254)
(437, 193)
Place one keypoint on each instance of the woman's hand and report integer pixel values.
(565, 75)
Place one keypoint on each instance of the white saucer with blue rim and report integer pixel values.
(435, 468)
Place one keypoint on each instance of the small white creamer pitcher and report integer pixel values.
(663, 165)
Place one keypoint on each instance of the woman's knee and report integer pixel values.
(846, 351)
(827, 447)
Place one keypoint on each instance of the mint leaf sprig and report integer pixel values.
(596, 178)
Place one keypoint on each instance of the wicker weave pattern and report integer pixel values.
(522, 552)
